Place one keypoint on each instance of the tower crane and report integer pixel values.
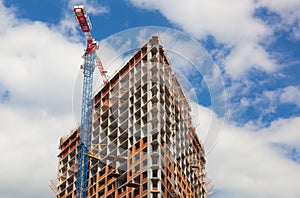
(90, 60)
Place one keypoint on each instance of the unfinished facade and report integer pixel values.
(143, 143)
(67, 165)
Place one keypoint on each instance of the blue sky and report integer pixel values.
(255, 46)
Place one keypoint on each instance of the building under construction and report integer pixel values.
(143, 142)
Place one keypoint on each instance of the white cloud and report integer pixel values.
(244, 158)
(290, 94)
(289, 14)
(246, 56)
(38, 66)
(272, 98)
(244, 162)
(92, 6)
(288, 10)
(284, 131)
(233, 24)
(296, 32)
(68, 24)
(230, 22)
(6, 13)
(202, 120)
(28, 143)
(247, 94)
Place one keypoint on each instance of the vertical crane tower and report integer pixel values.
(90, 60)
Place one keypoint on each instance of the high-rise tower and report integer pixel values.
(143, 143)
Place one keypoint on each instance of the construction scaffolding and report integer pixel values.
(143, 143)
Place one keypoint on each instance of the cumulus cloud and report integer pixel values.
(288, 10)
(226, 20)
(252, 165)
(34, 67)
(28, 143)
(38, 65)
(232, 23)
(290, 94)
(289, 14)
(246, 56)
(265, 104)
(245, 163)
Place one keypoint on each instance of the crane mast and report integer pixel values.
(90, 60)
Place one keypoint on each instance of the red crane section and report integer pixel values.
(82, 19)
(91, 44)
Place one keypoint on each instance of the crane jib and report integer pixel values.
(82, 19)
